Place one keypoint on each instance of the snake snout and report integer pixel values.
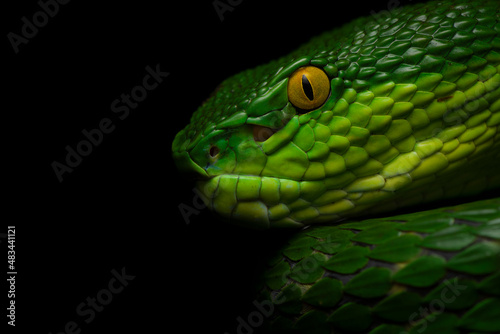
(183, 160)
(187, 166)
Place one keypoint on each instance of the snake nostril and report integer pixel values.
(214, 151)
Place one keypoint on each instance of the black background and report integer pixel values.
(120, 207)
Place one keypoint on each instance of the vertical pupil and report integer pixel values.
(306, 86)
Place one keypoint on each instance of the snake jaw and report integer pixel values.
(220, 195)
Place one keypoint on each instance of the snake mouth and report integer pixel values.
(268, 202)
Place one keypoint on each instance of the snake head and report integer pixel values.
(358, 120)
(239, 143)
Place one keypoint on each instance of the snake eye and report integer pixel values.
(308, 88)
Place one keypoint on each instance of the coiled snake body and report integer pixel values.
(370, 117)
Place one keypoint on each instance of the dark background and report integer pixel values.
(120, 207)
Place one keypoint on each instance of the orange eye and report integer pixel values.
(308, 88)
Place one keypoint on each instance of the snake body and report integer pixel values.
(412, 115)
(429, 272)
(378, 114)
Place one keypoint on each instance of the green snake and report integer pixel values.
(379, 114)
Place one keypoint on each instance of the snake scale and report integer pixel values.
(376, 115)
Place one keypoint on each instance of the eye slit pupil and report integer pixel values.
(307, 87)
(214, 150)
